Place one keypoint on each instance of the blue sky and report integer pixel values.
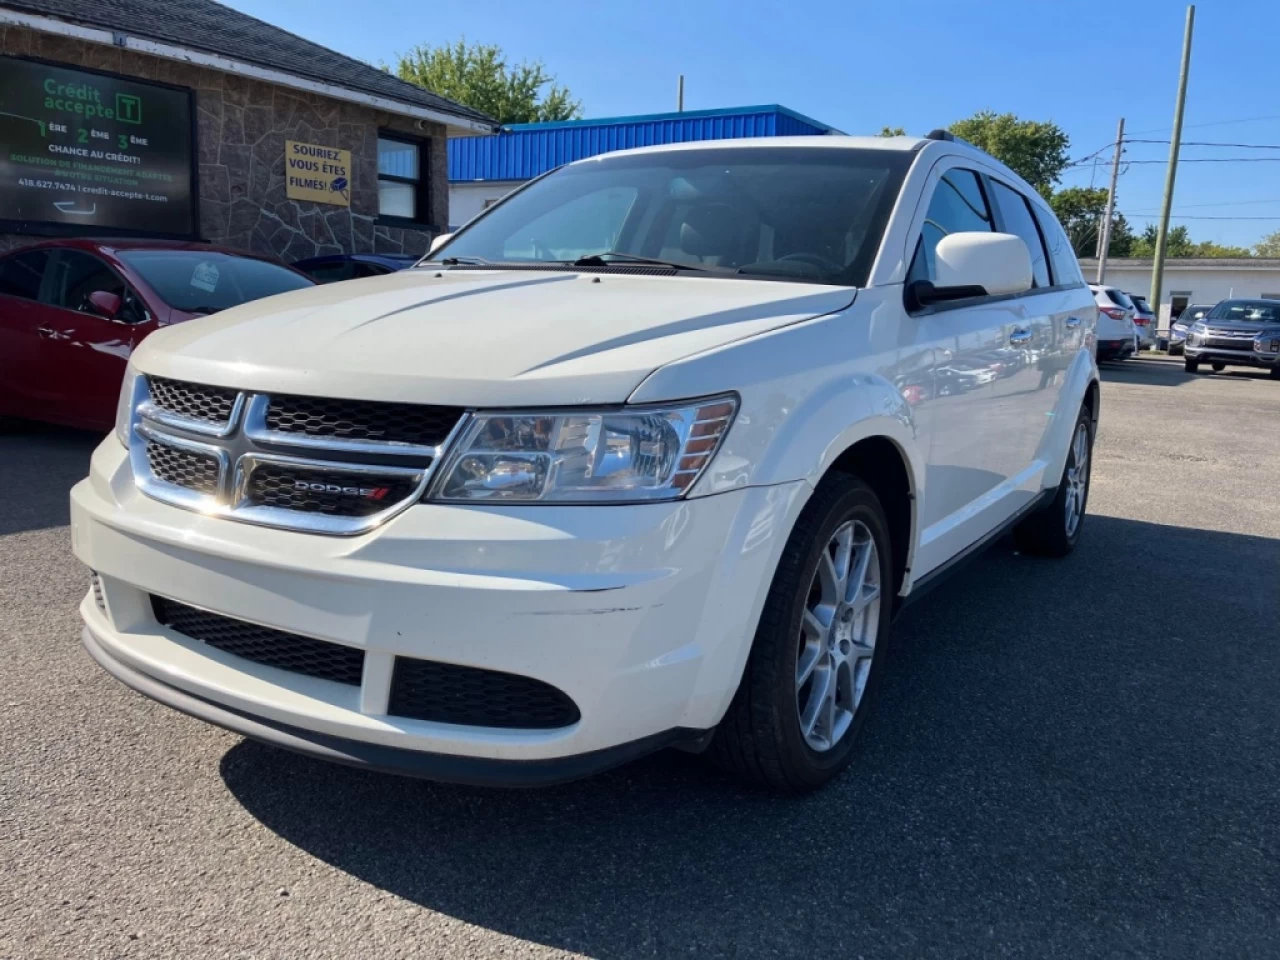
(859, 65)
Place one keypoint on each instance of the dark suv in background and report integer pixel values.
(1236, 332)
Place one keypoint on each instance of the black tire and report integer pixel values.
(1219, 367)
(760, 738)
(1275, 373)
(1191, 366)
(1045, 533)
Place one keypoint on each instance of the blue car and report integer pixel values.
(353, 266)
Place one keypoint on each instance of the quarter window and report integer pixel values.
(958, 206)
(22, 274)
(400, 182)
(1019, 221)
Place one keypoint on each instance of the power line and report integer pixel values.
(1153, 216)
(1228, 203)
(1214, 160)
(1213, 143)
(1213, 123)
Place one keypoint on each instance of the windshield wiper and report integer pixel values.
(598, 260)
(464, 262)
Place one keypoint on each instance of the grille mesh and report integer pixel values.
(182, 468)
(211, 404)
(272, 648)
(358, 495)
(449, 693)
(361, 420)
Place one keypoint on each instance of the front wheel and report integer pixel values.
(1219, 367)
(1055, 530)
(1191, 366)
(819, 650)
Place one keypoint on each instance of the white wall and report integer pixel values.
(1204, 284)
(467, 199)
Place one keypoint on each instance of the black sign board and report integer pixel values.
(86, 152)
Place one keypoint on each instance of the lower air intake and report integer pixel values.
(271, 648)
(448, 693)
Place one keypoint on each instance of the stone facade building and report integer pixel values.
(254, 88)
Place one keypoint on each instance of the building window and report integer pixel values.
(402, 190)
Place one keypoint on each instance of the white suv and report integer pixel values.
(648, 454)
(1118, 337)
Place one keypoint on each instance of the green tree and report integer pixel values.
(892, 132)
(1036, 150)
(1180, 244)
(479, 76)
(1268, 246)
(1080, 211)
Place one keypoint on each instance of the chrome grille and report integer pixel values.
(339, 467)
(360, 420)
(183, 468)
(192, 400)
(337, 492)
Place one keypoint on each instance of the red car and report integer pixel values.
(71, 312)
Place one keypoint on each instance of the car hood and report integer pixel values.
(469, 337)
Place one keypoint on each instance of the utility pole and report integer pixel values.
(680, 95)
(1111, 204)
(1162, 236)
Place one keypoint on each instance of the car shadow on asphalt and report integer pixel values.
(1158, 372)
(38, 465)
(1051, 758)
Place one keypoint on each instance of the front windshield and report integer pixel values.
(811, 214)
(1246, 311)
(205, 281)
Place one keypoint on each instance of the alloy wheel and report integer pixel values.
(838, 635)
(1077, 479)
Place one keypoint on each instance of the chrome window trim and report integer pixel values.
(238, 453)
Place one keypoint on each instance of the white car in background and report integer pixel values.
(1144, 321)
(1117, 333)
(511, 519)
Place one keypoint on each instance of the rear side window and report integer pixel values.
(1019, 221)
(958, 205)
(21, 275)
(1066, 268)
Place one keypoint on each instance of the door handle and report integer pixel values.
(1073, 321)
(1020, 336)
(46, 332)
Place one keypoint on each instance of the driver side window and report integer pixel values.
(76, 275)
(958, 205)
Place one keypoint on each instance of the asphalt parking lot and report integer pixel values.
(1070, 759)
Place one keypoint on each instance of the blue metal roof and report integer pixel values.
(525, 150)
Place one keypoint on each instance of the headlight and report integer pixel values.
(128, 400)
(1267, 343)
(585, 456)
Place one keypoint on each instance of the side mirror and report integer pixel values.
(975, 265)
(106, 304)
(439, 242)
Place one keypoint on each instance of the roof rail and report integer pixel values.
(940, 134)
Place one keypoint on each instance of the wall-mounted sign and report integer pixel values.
(88, 151)
(313, 172)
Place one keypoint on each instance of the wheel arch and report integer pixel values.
(880, 462)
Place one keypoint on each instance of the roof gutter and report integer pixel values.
(457, 125)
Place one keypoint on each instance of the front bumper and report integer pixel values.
(1246, 358)
(1115, 349)
(642, 615)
